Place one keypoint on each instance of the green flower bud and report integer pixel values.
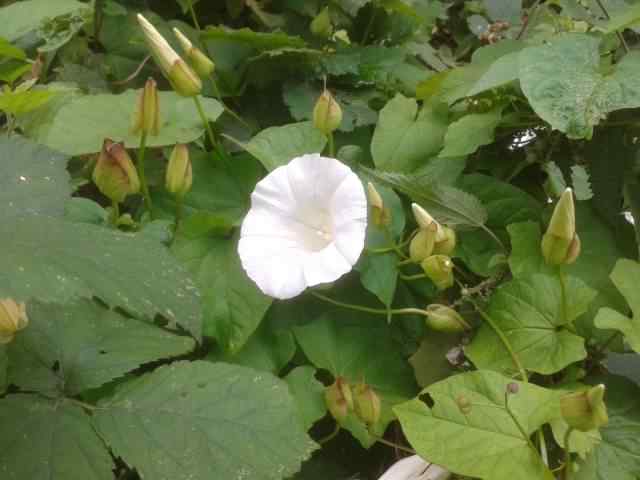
(13, 317)
(182, 78)
(339, 399)
(202, 64)
(448, 244)
(379, 214)
(560, 244)
(327, 114)
(147, 116)
(421, 245)
(425, 220)
(439, 268)
(445, 319)
(464, 404)
(179, 173)
(114, 173)
(321, 24)
(585, 410)
(367, 404)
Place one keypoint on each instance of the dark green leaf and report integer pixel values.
(308, 395)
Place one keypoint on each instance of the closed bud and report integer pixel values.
(339, 399)
(445, 319)
(182, 78)
(147, 116)
(585, 410)
(379, 214)
(464, 404)
(513, 388)
(327, 114)
(114, 173)
(560, 244)
(201, 63)
(421, 245)
(13, 317)
(447, 245)
(439, 268)
(179, 173)
(321, 24)
(425, 221)
(367, 404)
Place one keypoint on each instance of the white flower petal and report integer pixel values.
(415, 468)
(306, 226)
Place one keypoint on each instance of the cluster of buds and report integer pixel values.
(431, 247)
(179, 175)
(114, 173)
(380, 215)
(445, 319)
(585, 410)
(13, 317)
(560, 243)
(327, 114)
(341, 400)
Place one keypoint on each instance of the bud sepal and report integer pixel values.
(115, 174)
(445, 319)
(439, 269)
(13, 318)
(327, 114)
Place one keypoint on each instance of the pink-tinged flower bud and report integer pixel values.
(201, 63)
(447, 245)
(439, 268)
(147, 116)
(13, 317)
(421, 245)
(179, 173)
(367, 404)
(339, 399)
(445, 319)
(114, 173)
(182, 78)
(585, 410)
(327, 114)
(560, 243)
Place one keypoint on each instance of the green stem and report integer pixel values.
(417, 276)
(394, 445)
(115, 213)
(367, 30)
(194, 17)
(141, 173)
(563, 295)
(332, 147)
(377, 311)
(179, 211)
(205, 121)
(393, 245)
(494, 237)
(218, 96)
(567, 454)
(406, 261)
(331, 436)
(618, 33)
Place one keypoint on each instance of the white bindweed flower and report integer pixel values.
(415, 468)
(306, 226)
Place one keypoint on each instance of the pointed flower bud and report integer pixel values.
(445, 319)
(200, 62)
(421, 245)
(560, 243)
(425, 220)
(114, 173)
(447, 245)
(179, 174)
(585, 410)
(439, 268)
(321, 24)
(182, 78)
(327, 114)
(13, 317)
(147, 116)
(367, 404)
(339, 399)
(379, 214)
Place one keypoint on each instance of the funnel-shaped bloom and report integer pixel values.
(306, 226)
(415, 468)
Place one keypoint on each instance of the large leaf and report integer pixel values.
(23, 17)
(87, 344)
(80, 125)
(566, 87)
(308, 394)
(49, 440)
(533, 318)
(21, 102)
(233, 306)
(257, 40)
(33, 179)
(379, 275)
(57, 261)
(466, 135)
(626, 277)
(199, 420)
(404, 138)
(482, 441)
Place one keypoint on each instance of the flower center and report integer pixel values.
(319, 232)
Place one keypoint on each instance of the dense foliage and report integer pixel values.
(133, 344)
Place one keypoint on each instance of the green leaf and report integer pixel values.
(20, 18)
(80, 125)
(378, 237)
(232, 304)
(276, 146)
(88, 344)
(626, 18)
(617, 454)
(20, 102)
(564, 83)
(485, 442)
(526, 255)
(33, 179)
(204, 421)
(405, 139)
(555, 179)
(352, 6)
(625, 276)
(11, 51)
(257, 40)
(43, 441)
(308, 394)
(429, 362)
(469, 133)
(581, 183)
(379, 275)
(75, 260)
(500, 73)
(447, 205)
(480, 253)
(531, 314)
(4, 360)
